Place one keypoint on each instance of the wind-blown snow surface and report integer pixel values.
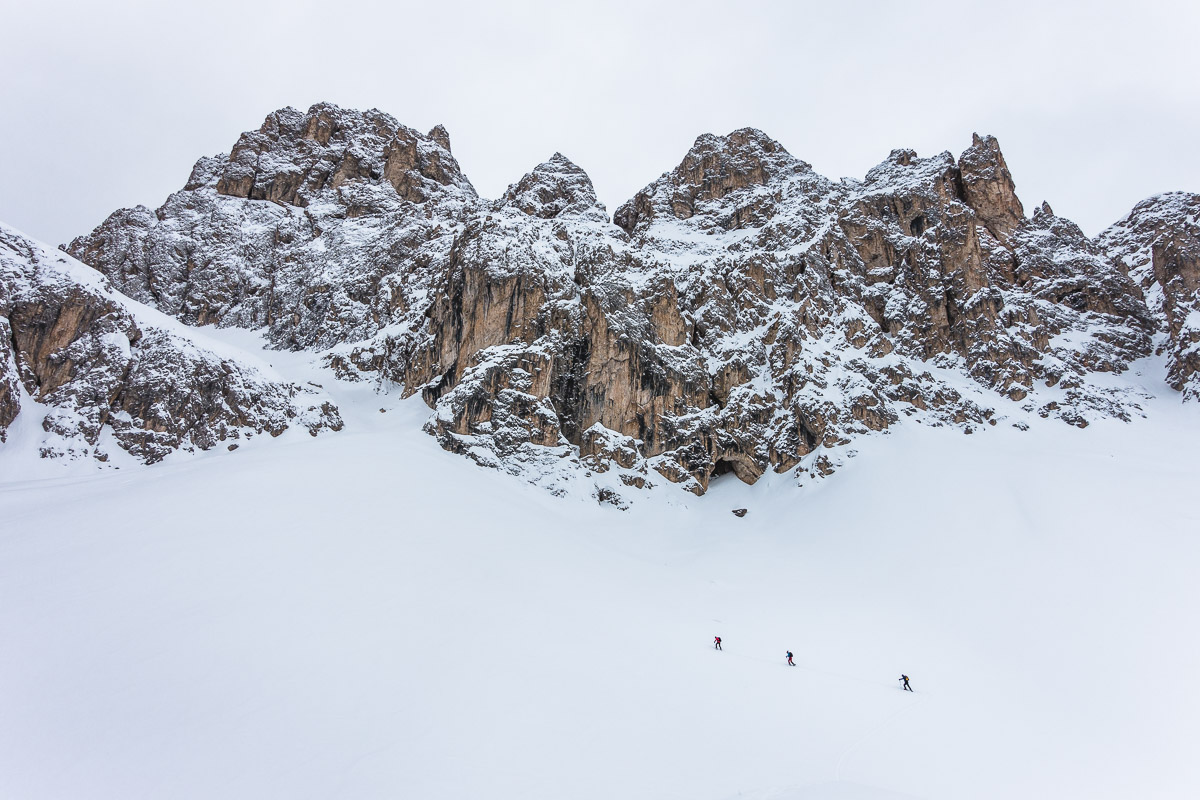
(366, 615)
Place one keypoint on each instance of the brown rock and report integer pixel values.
(988, 187)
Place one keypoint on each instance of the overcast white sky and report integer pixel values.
(107, 104)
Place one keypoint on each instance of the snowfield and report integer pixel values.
(364, 615)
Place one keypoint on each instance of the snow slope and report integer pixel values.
(365, 615)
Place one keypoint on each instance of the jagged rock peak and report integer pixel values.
(1184, 205)
(902, 156)
(904, 170)
(988, 187)
(440, 135)
(714, 167)
(553, 188)
(718, 165)
(1158, 214)
(294, 156)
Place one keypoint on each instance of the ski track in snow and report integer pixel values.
(364, 614)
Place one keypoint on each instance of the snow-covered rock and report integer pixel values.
(88, 361)
(323, 227)
(740, 314)
(1158, 244)
(554, 188)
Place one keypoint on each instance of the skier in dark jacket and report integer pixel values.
(906, 687)
(790, 662)
(717, 642)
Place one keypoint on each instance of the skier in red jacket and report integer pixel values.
(717, 642)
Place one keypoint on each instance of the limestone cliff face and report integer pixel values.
(740, 314)
(85, 361)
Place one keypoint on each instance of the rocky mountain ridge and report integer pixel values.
(95, 370)
(740, 314)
